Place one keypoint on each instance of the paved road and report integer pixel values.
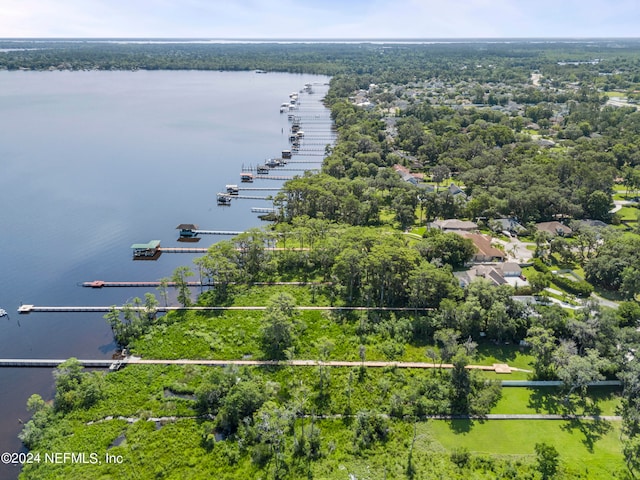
(602, 301)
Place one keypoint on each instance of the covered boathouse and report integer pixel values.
(146, 251)
(187, 230)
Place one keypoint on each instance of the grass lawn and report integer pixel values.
(589, 448)
(419, 230)
(628, 214)
(521, 400)
(515, 356)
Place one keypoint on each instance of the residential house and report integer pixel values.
(457, 192)
(485, 252)
(590, 223)
(507, 225)
(554, 228)
(454, 224)
(407, 176)
(501, 274)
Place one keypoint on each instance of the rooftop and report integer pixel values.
(146, 246)
(455, 224)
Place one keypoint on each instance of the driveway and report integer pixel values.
(516, 250)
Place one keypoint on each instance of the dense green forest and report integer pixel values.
(524, 131)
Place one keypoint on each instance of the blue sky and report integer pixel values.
(320, 18)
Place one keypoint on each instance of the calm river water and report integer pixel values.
(91, 162)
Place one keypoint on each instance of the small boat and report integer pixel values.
(224, 199)
(246, 177)
(3, 313)
(232, 189)
(273, 162)
(262, 169)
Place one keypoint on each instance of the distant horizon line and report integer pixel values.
(320, 39)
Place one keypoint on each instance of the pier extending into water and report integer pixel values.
(217, 232)
(132, 360)
(103, 284)
(272, 177)
(182, 249)
(246, 197)
(25, 309)
(252, 169)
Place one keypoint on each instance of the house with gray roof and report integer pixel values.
(501, 274)
(454, 224)
(457, 192)
(507, 225)
(554, 228)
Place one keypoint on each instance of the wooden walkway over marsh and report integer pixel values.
(115, 364)
(25, 309)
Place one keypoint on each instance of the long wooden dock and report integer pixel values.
(25, 309)
(183, 249)
(52, 363)
(117, 364)
(250, 169)
(103, 284)
(206, 249)
(217, 232)
(249, 197)
(272, 177)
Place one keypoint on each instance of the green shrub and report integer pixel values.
(540, 266)
(580, 288)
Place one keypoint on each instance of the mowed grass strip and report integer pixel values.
(591, 448)
(549, 400)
